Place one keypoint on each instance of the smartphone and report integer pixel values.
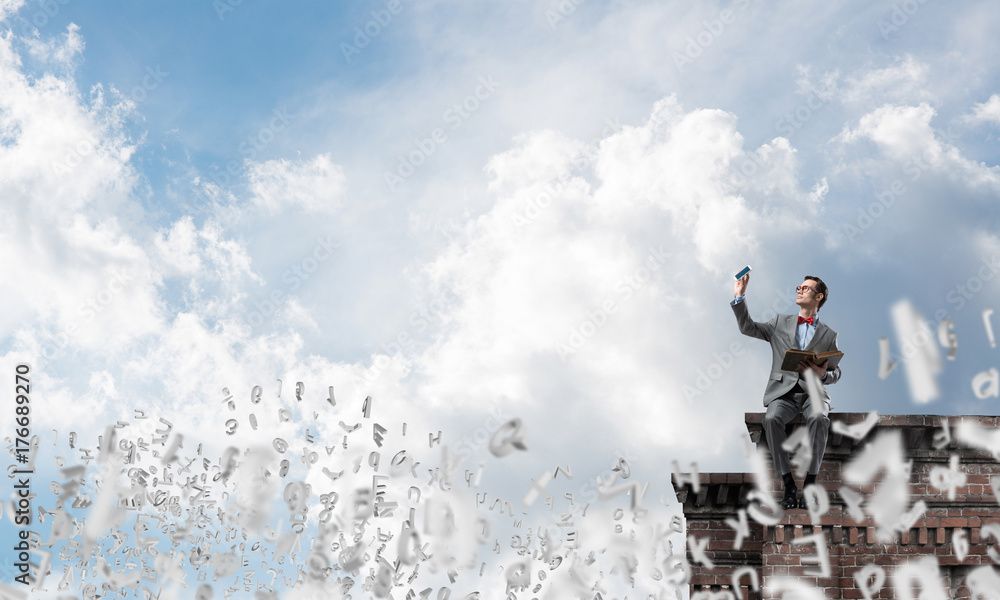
(745, 270)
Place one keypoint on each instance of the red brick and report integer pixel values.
(978, 512)
(837, 534)
(797, 519)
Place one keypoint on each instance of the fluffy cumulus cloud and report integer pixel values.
(66, 182)
(582, 289)
(120, 316)
(904, 136)
(986, 112)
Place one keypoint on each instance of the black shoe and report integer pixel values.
(790, 500)
(802, 502)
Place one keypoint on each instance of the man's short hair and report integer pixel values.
(820, 288)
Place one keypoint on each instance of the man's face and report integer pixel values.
(806, 295)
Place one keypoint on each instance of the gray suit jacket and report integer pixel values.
(780, 332)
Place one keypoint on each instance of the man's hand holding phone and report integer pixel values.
(740, 287)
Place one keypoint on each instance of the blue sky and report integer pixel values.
(565, 172)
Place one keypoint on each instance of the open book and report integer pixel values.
(794, 357)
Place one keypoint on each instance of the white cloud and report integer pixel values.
(581, 255)
(904, 134)
(178, 247)
(232, 264)
(61, 52)
(898, 131)
(102, 388)
(89, 282)
(906, 81)
(66, 181)
(986, 112)
(9, 7)
(317, 185)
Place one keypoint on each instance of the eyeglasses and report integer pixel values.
(800, 288)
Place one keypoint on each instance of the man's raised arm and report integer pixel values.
(747, 325)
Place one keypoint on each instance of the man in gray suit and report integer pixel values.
(785, 395)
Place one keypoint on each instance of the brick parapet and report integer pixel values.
(850, 544)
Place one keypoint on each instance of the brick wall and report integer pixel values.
(786, 550)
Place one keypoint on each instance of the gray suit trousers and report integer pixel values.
(782, 410)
